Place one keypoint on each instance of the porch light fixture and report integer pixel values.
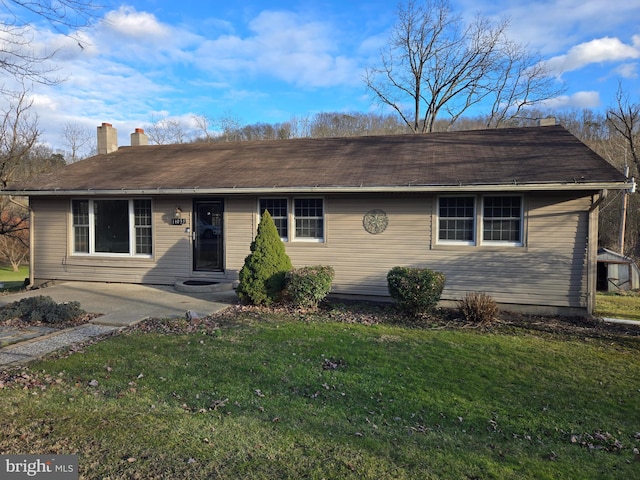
(177, 217)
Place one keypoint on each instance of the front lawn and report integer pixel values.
(625, 305)
(270, 395)
(13, 281)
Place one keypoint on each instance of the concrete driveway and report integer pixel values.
(124, 304)
(119, 305)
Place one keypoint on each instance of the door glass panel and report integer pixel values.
(207, 236)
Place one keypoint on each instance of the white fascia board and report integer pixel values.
(510, 187)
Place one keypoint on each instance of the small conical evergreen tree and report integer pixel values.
(262, 278)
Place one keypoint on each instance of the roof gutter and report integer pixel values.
(331, 189)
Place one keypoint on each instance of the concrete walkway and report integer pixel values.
(119, 305)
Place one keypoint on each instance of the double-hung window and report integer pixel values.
(499, 221)
(117, 227)
(278, 209)
(309, 219)
(457, 220)
(502, 220)
(305, 215)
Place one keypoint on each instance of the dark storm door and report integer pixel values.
(208, 245)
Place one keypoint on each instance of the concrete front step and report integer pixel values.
(201, 285)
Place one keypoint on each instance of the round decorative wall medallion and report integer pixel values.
(375, 221)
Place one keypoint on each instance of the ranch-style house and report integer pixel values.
(511, 212)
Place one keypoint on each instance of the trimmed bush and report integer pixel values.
(415, 290)
(478, 308)
(307, 286)
(262, 275)
(41, 309)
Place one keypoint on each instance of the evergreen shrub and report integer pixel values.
(262, 277)
(307, 286)
(41, 309)
(415, 290)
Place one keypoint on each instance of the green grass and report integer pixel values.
(625, 305)
(13, 281)
(285, 398)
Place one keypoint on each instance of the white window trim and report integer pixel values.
(288, 215)
(132, 231)
(475, 223)
(293, 217)
(501, 242)
(478, 223)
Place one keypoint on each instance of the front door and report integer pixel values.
(208, 247)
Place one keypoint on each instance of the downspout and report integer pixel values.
(31, 237)
(592, 251)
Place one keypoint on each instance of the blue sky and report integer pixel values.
(267, 61)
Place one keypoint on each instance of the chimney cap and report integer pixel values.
(105, 124)
(139, 130)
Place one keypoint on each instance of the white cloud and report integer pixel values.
(140, 39)
(285, 46)
(45, 102)
(135, 63)
(600, 50)
(129, 23)
(551, 26)
(627, 70)
(585, 99)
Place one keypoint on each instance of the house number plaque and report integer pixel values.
(375, 221)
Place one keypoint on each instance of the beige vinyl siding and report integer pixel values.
(548, 270)
(361, 260)
(49, 249)
(55, 260)
(240, 227)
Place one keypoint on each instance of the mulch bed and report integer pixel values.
(376, 313)
(22, 323)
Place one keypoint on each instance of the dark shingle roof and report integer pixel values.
(536, 155)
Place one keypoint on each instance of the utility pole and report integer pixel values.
(623, 213)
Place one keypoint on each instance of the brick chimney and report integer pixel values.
(107, 139)
(547, 121)
(139, 138)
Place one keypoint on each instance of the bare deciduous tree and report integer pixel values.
(14, 240)
(18, 57)
(335, 124)
(299, 127)
(18, 134)
(167, 130)
(229, 126)
(624, 117)
(203, 124)
(434, 63)
(79, 141)
(520, 80)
